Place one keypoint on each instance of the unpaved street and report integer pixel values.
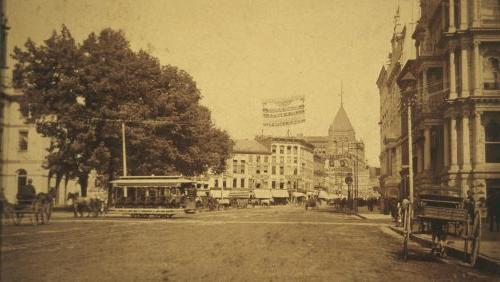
(269, 244)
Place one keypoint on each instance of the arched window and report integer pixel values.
(22, 179)
(491, 72)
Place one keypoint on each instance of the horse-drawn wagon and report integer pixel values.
(437, 215)
(155, 196)
(38, 209)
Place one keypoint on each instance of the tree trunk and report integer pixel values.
(59, 177)
(49, 177)
(83, 179)
(66, 180)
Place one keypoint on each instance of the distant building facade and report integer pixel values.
(393, 151)
(268, 163)
(342, 154)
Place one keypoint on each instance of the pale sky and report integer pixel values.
(241, 51)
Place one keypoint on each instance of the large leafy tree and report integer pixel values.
(79, 94)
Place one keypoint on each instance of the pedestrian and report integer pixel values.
(469, 204)
(493, 211)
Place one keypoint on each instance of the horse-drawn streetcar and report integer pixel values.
(152, 196)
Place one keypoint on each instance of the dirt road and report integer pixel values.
(267, 244)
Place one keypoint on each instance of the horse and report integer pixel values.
(92, 205)
(312, 202)
(46, 201)
(7, 210)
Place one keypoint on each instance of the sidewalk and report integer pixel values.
(489, 250)
(364, 213)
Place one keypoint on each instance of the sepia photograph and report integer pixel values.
(249, 140)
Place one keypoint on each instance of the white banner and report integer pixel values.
(283, 112)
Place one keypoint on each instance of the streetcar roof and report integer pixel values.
(150, 181)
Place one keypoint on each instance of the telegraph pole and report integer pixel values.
(124, 150)
(410, 154)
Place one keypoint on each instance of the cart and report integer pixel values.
(36, 210)
(435, 215)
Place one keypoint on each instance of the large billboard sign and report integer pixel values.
(283, 112)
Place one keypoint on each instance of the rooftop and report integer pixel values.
(250, 147)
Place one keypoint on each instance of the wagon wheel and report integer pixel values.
(475, 237)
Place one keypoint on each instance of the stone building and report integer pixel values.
(393, 144)
(268, 163)
(342, 154)
(455, 85)
(22, 149)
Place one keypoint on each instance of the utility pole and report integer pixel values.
(124, 150)
(410, 154)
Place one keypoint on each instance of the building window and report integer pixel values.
(242, 183)
(289, 149)
(294, 160)
(295, 171)
(274, 159)
(282, 170)
(235, 166)
(22, 179)
(224, 183)
(274, 148)
(282, 149)
(258, 159)
(295, 150)
(491, 73)
(282, 159)
(257, 171)
(23, 140)
(242, 166)
(235, 182)
(266, 159)
(265, 170)
(273, 171)
(273, 184)
(492, 142)
(216, 183)
(282, 185)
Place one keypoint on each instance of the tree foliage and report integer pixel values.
(78, 95)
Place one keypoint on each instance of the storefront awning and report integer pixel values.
(262, 194)
(239, 194)
(298, 194)
(219, 194)
(279, 193)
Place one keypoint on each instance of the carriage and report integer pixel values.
(438, 215)
(152, 196)
(38, 210)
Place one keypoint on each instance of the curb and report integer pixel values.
(359, 215)
(482, 260)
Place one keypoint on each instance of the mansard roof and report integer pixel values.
(245, 146)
